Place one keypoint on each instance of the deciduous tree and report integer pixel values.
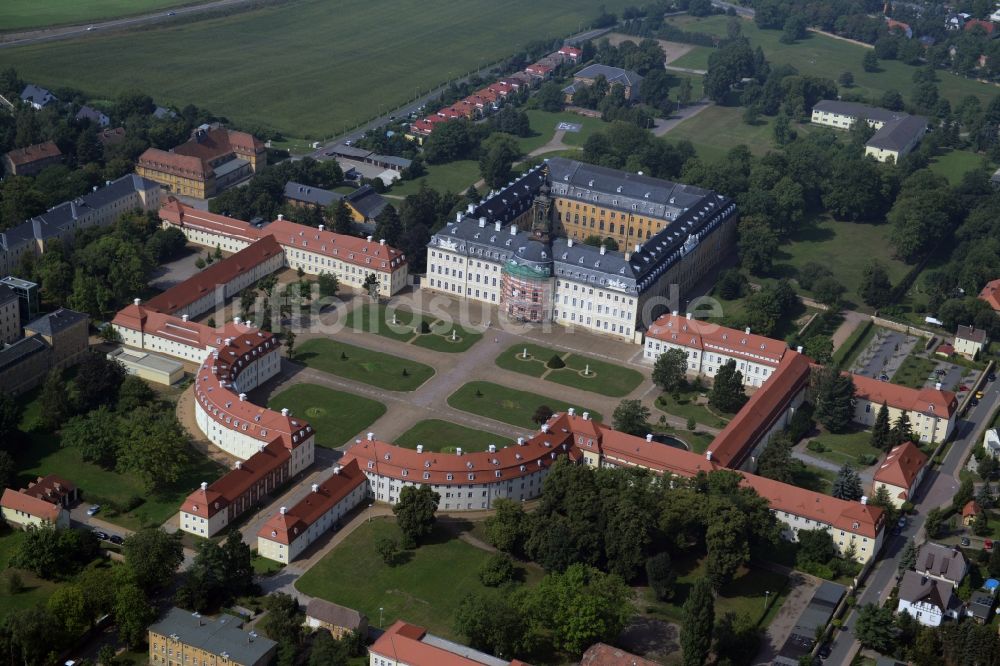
(415, 512)
(631, 416)
(727, 391)
(670, 369)
(152, 556)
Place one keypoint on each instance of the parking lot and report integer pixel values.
(884, 354)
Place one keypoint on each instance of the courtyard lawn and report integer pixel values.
(843, 448)
(956, 163)
(402, 326)
(834, 244)
(506, 404)
(315, 72)
(604, 378)
(336, 416)
(813, 478)
(823, 56)
(451, 177)
(363, 365)
(444, 436)
(687, 407)
(43, 455)
(24, 14)
(716, 129)
(744, 596)
(915, 370)
(697, 440)
(425, 587)
(36, 591)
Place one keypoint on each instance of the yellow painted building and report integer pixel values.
(183, 638)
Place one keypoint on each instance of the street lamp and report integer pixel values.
(370, 512)
(380, 610)
(767, 593)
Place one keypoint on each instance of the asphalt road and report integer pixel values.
(69, 31)
(937, 490)
(745, 12)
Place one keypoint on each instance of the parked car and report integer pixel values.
(963, 387)
(115, 539)
(103, 536)
(988, 544)
(979, 395)
(902, 521)
(965, 542)
(171, 13)
(884, 377)
(940, 371)
(974, 402)
(825, 651)
(93, 509)
(991, 377)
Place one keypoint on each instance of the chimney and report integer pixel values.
(675, 313)
(649, 437)
(628, 255)
(586, 416)
(603, 250)
(520, 441)
(283, 510)
(322, 227)
(864, 499)
(237, 320)
(708, 456)
(471, 208)
(370, 238)
(747, 330)
(336, 469)
(799, 349)
(284, 411)
(937, 386)
(571, 411)
(239, 464)
(371, 437)
(136, 301)
(204, 485)
(569, 242)
(497, 225)
(492, 448)
(482, 221)
(637, 247)
(243, 397)
(513, 230)
(280, 217)
(184, 317)
(381, 241)
(315, 487)
(545, 427)
(420, 448)
(458, 450)
(688, 315)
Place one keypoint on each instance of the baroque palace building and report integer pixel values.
(521, 248)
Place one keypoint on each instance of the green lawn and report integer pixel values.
(22, 14)
(314, 70)
(956, 163)
(401, 325)
(845, 447)
(744, 596)
(35, 590)
(506, 404)
(451, 177)
(696, 58)
(444, 436)
(819, 55)
(425, 588)
(686, 408)
(835, 245)
(336, 416)
(859, 339)
(44, 456)
(813, 478)
(604, 378)
(363, 365)
(716, 129)
(543, 124)
(914, 371)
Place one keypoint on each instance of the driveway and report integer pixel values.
(171, 274)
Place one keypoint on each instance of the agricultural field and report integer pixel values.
(336, 416)
(25, 14)
(304, 67)
(819, 55)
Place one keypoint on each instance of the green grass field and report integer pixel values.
(308, 68)
(819, 55)
(35, 591)
(506, 404)
(444, 436)
(425, 588)
(956, 163)
(604, 378)
(23, 14)
(401, 325)
(451, 177)
(716, 129)
(914, 371)
(686, 408)
(363, 365)
(543, 124)
(835, 245)
(845, 447)
(44, 455)
(696, 58)
(336, 416)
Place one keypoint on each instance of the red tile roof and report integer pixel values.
(902, 466)
(35, 153)
(50, 488)
(991, 294)
(985, 25)
(211, 499)
(371, 255)
(219, 273)
(18, 500)
(761, 411)
(602, 654)
(925, 400)
(185, 166)
(402, 643)
(707, 336)
(111, 136)
(219, 142)
(177, 213)
(570, 51)
(971, 508)
(286, 527)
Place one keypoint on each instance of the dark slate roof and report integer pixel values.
(367, 201)
(351, 152)
(162, 112)
(856, 110)
(37, 95)
(392, 160)
(93, 115)
(625, 77)
(21, 350)
(309, 194)
(981, 605)
(55, 322)
(511, 201)
(6, 294)
(914, 587)
(941, 561)
(218, 635)
(898, 134)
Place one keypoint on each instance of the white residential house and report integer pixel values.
(929, 601)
